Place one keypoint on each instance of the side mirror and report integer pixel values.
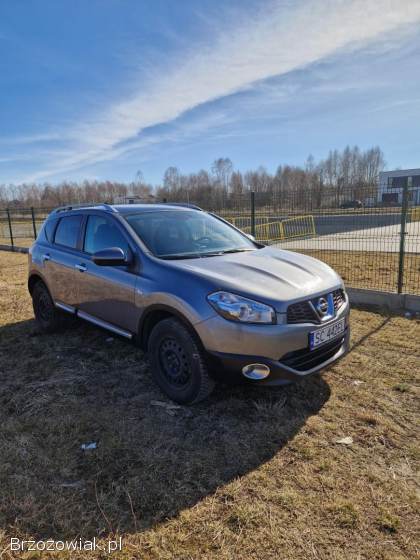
(250, 236)
(114, 256)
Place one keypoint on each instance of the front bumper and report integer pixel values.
(291, 367)
(284, 348)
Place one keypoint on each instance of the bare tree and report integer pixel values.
(351, 173)
(222, 170)
(172, 179)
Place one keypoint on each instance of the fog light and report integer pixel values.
(256, 371)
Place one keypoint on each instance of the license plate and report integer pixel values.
(326, 334)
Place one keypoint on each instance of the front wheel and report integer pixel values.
(178, 363)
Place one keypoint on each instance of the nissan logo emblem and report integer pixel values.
(322, 306)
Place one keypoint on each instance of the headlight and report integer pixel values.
(243, 310)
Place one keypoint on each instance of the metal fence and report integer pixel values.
(370, 246)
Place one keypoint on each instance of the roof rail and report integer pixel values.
(69, 207)
(185, 205)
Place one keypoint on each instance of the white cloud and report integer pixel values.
(31, 139)
(281, 39)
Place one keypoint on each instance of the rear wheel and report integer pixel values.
(48, 317)
(178, 363)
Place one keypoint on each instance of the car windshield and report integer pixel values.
(182, 234)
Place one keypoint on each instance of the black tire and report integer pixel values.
(48, 317)
(178, 363)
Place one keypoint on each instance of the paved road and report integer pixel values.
(338, 223)
(385, 238)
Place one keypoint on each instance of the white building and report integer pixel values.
(391, 184)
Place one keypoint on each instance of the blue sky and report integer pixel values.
(103, 88)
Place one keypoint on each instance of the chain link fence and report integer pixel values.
(371, 246)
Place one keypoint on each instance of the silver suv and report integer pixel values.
(201, 297)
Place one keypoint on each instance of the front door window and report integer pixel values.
(102, 233)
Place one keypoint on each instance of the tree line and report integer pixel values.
(348, 174)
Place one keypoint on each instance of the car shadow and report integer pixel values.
(146, 460)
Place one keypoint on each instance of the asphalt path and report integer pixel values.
(386, 238)
(338, 223)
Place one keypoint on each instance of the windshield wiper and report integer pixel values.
(219, 253)
(181, 256)
(236, 251)
(178, 257)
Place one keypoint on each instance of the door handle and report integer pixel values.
(81, 267)
(46, 257)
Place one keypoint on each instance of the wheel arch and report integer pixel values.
(156, 313)
(33, 279)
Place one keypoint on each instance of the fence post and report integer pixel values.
(10, 227)
(404, 211)
(253, 213)
(33, 221)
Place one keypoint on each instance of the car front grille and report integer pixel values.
(339, 299)
(301, 312)
(305, 359)
(304, 312)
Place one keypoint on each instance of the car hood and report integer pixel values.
(274, 276)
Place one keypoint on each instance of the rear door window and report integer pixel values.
(49, 229)
(67, 232)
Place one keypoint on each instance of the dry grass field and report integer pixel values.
(372, 270)
(250, 474)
